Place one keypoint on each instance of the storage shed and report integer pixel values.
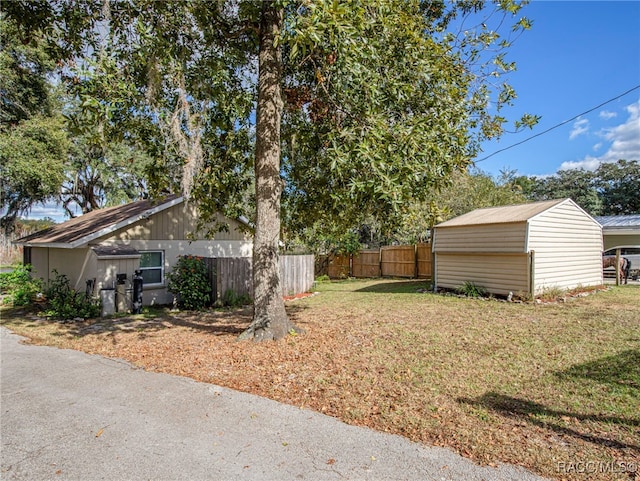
(520, 249)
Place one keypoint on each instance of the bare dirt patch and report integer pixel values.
(555, 388)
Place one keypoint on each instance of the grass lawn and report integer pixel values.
(552, 387)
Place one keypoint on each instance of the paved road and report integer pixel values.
(66, 415)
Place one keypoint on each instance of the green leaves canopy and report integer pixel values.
(382, 102)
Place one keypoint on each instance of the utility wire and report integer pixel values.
(560, 124)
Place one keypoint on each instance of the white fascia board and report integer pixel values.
(56, 245)
(131, 220)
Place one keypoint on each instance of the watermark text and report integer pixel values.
(593, 467)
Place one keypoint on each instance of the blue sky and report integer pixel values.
(577, 55)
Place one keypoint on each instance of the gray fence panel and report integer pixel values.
(235, 274)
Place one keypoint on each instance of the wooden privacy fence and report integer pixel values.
(236, 274)
(392, 261)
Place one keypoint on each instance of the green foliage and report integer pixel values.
(33, 143)
(611, 190)
(32, 156)
(20, 287)
(323, 278)
(471, 289)
(322, 240)
(381, 101)
(189, 281)
(24, 64)
(63, 302)
(618, 184)
(552, 293)
(232, 299)
(577, 184)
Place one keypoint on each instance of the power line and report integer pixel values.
(560, 124)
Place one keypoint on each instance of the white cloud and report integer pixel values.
(597, 146)
(52, 210)
(589, 163)
(580, 126)
(606, 115)
(624, 142)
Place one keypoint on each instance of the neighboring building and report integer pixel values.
(622, 232)
(148, 235)
(520, 249)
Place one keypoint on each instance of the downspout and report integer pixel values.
(531, 263)
(532, 274)
(434, 263)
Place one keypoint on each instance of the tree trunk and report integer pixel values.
(270, 320)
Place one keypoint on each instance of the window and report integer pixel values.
(152, 267)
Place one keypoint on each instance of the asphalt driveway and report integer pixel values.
(66, 415)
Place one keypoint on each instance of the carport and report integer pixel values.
(621, 237)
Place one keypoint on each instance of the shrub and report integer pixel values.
(189, 282)
(232, 299)
(63, 302)
(470, 289)
(19, 286)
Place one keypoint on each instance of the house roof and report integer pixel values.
(87, 227)
(502, 215)
(619, 222)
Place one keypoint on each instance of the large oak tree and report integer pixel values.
(346, 110)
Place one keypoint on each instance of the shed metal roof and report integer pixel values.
(502, 215)
(613, 222)
(87, 227)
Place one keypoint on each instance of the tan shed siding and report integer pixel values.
(499, 274)
(568, 248)
(174, 223)
(506, 238)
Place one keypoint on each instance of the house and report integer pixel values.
(622, 233)
(523, 249)
(102, 249)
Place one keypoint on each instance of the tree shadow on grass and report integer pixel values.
(529, 411)
(412, 286)
(620, 370)
(217, 322)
